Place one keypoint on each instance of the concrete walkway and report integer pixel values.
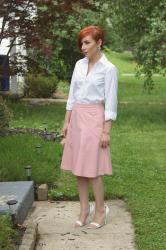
(56, 231)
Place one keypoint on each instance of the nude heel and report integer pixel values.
(92, 209)
(80, 223)
(107, 216)
(97, 225)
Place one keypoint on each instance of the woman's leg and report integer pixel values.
(98, 191)
(82, 185)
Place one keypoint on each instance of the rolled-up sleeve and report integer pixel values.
(71, 99)
(111, 91)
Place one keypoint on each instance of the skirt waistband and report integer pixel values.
(88, 105)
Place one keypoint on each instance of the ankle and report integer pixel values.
(100, 210)
(84, 211)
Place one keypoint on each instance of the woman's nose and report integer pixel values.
(83, 47)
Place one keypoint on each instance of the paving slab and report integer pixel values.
(56, 227)
(23, 192)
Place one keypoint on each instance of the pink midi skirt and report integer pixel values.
(82, 154)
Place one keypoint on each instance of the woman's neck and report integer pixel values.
(93, 59)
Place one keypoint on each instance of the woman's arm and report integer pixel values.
(111, 89)
(67, 116)
(69, 104)
(71, 99)
(110, 113)
(107, 127)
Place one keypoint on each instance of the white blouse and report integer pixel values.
(100, 85)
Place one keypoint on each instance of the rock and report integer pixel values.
(58, 96)
(42, 192)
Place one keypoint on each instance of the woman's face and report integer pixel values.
(90, 46)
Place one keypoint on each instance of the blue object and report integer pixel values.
(4, 73)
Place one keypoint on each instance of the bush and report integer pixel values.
(38, 85)
(5, 114)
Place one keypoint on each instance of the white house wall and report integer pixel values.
(17, 81)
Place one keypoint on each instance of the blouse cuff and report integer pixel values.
(109, 115)
(69, 105)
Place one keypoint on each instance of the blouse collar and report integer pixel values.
(102, 59)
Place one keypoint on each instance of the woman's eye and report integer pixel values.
(85, 43)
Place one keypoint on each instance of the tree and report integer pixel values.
(30, 23)
(142, 26)
(15, 23)
(64, 26)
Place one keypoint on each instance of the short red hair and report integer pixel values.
(95, 31)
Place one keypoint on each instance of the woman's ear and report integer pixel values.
(99, 42)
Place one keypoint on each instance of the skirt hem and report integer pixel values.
(77, 174)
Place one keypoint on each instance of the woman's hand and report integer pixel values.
(105, 139)
(66, 122)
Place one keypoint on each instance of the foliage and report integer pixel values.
(151, 49)
(50, 34)
(142, 25)
(38, 85)
(6, 233)
(63, 49)
(29, 24)
(15, 24)
(5, 114)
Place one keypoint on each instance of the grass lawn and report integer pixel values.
(124, 61)
(18, 151)
(138, 155)
(138, 140)
(9, 237)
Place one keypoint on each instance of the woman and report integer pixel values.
(90, 109)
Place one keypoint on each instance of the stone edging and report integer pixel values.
(29, 237)
(44, 134)
(40, 101)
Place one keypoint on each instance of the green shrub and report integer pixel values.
(5, 114)
(38, 85)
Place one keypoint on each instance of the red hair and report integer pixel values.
(95, 31)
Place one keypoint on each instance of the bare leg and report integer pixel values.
(98, 190)
(82, 185)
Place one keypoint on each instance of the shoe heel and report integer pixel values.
(107, 214)
(91, 211)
